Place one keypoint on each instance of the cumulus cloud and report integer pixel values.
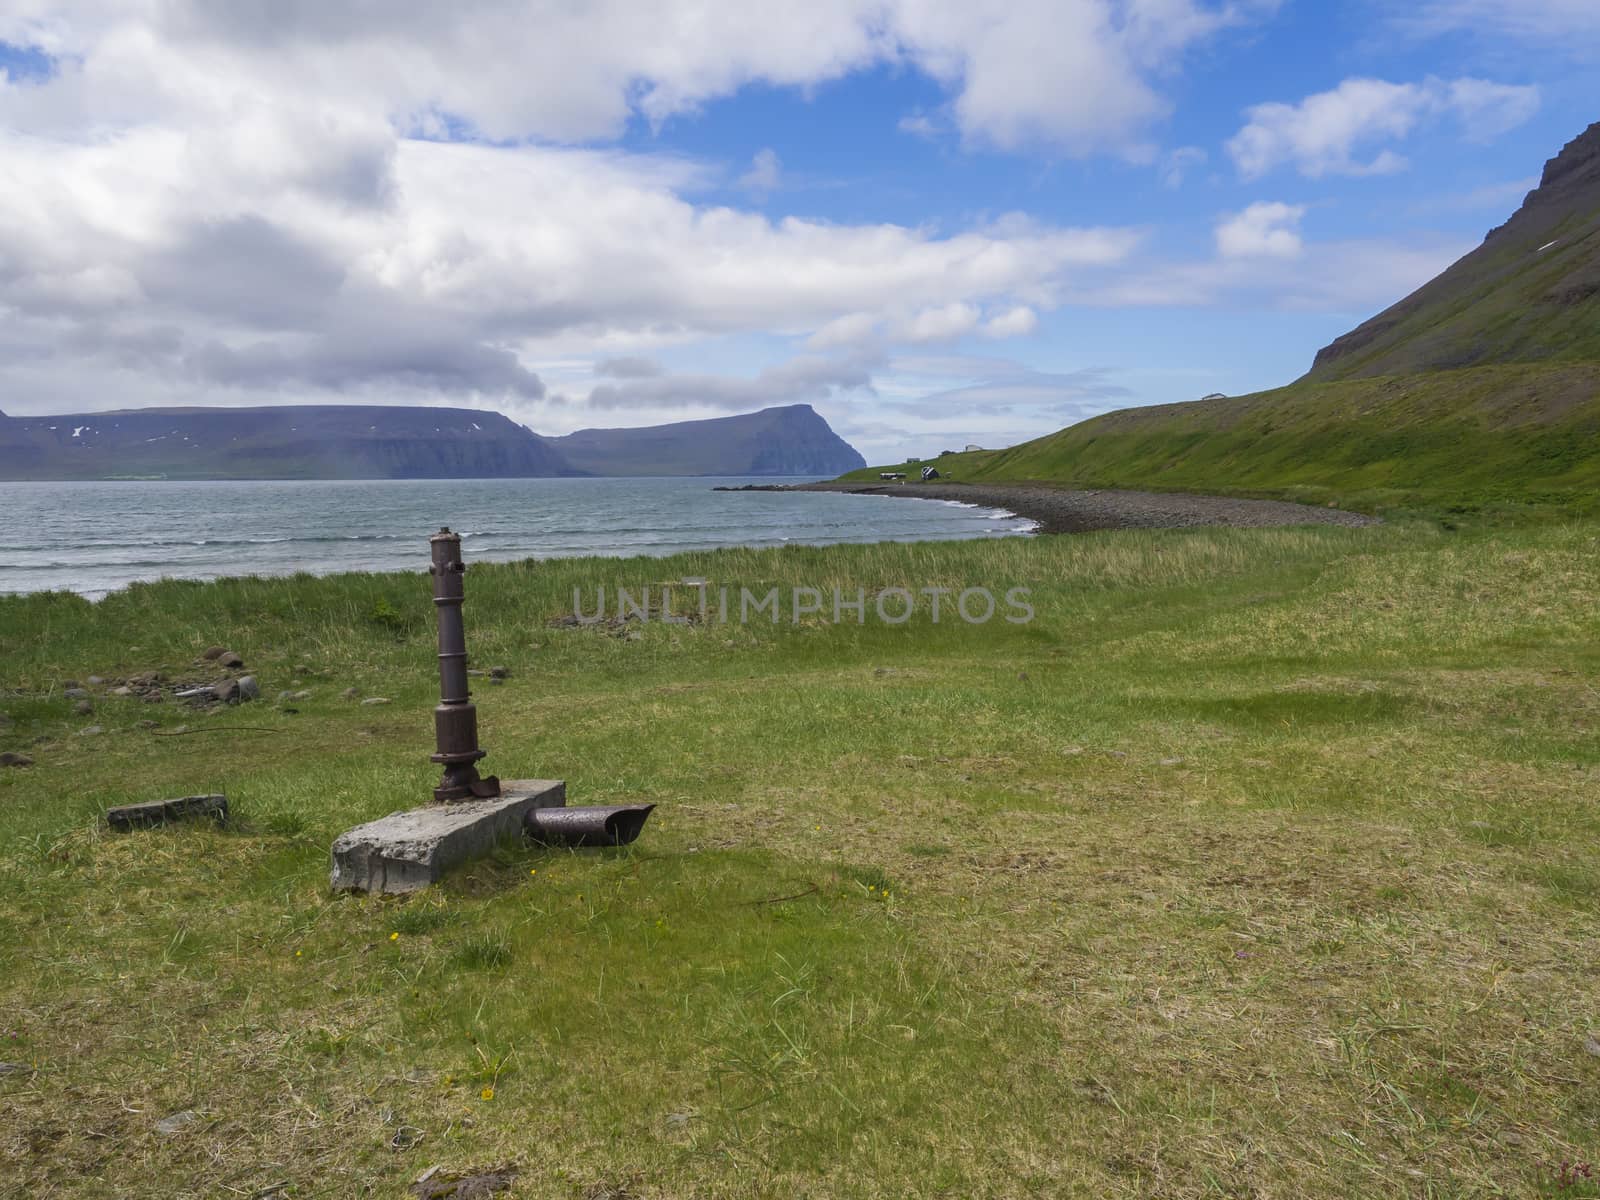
(1013, 322)
(1269, 229)
(1335, 132)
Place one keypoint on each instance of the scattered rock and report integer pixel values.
(1172, 762)
(285, 697)
(1591, 1045)
(91, 731)
(227, 691)
(229, 659)
(12, 759)
(1022, 676)
(350, 693)
(124, 690)
(633, 635)
(74, 692)
(249, 689)
(160, 812)
(301, 695)
(70, 683)
(303, 669)
(499, 672)
(95, 681)
(434, 1185)
(370, 700)
(176, 1123)
(83, 707)
(15, 1069)
(214, 653)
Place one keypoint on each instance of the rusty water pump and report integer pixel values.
(455, 725)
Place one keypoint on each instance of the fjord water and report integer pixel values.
(93, 538)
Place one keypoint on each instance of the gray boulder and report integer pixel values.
(249, 689)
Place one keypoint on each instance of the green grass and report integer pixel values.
(1509, 438)
(1260, 863)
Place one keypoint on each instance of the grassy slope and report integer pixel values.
(1260, 863)
(1514, 433)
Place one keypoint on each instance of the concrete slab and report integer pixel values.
(408, 851)
(160, 812)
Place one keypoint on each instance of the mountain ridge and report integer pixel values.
(400, 442)
(787, 440)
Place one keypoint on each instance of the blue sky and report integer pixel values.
(937, 223)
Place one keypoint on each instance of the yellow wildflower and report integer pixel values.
(394, 937)
(486, 1094)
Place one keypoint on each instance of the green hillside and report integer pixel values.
(1483, 386)
(1506, 433)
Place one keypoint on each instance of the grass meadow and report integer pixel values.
(1259, 864)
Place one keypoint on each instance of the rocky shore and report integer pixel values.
(1060, 510)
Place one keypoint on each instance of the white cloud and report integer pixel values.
(765, 173)
(1329, 133)
(1264, 229)
(1572, 26)
(1014, 322)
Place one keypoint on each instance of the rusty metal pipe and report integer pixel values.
(592, 825)
(455, 720)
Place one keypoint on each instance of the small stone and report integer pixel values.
(301, 695)
(1172, 762)
(148, 725)
(350, 693)
(499, 672)
(83, 707)
(122, 691)
(1591, 1045)
(160, 812)
(95, 681)
(75, 693)
(227, 691)
(12, 759)
(633, 635)
(176, 1123)
(370, 700)
(70, 683)
(214, 653)
(285, 697)
(1023, 676)
(229, 659)
(91, 731)
(249, 689)
(15, 1069)
(302, 669)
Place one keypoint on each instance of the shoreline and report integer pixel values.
(1064, 510)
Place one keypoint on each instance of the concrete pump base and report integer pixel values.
(408, 851)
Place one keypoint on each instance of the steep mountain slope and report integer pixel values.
(1530, 293)
(298, 442)
(1482, 385)
(793, 440)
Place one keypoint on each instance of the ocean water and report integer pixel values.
(93, 538)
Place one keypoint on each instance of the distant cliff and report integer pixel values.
(290, 442)
(775, 441)
(361, 442)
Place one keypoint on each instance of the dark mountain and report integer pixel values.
(1530, 293)
(291, 442)
(775, 441)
